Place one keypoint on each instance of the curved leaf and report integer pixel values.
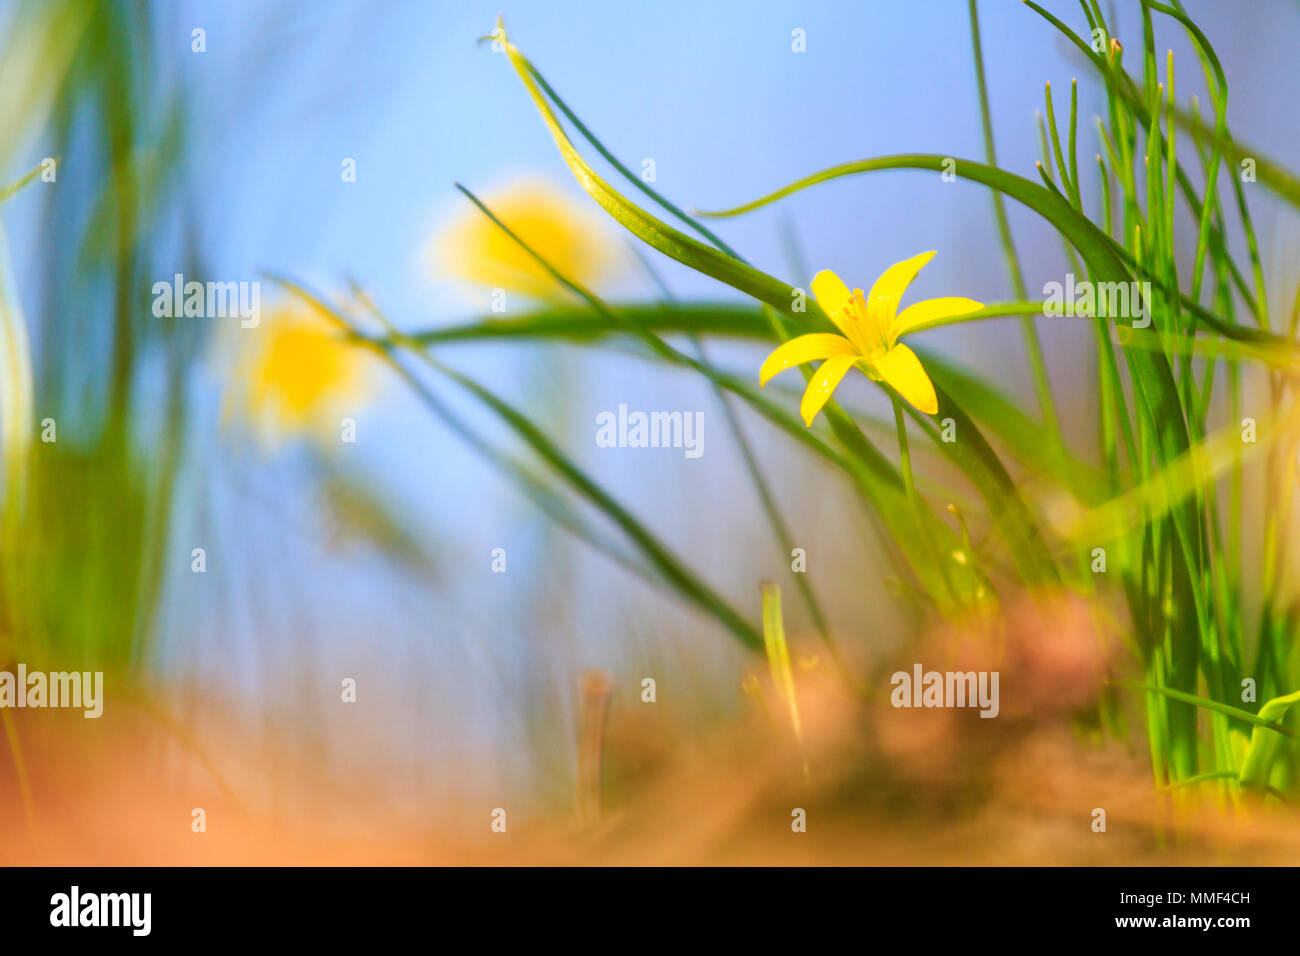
(1263, 747)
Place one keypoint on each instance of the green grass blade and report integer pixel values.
(1263, 747)
(1226, 709)
(580, 323)
(778, 657)
(660, 235)
(13, 188)
(662, 559)
(1033, 347)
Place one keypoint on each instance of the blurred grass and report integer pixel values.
(85, 544)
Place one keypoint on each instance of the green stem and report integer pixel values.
(1037, 364)
(914, 499)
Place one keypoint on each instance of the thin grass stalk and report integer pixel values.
(1033, 347)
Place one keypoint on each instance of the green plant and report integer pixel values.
(1163, 491)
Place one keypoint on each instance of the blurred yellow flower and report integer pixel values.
(871, 325)
(571, 236)
(294, 374)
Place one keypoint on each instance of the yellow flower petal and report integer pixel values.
(567, 233)
(834, 297)
(823, 384)
(882, 300)
(902, 369)
(804, 348)
(295, 374)
(830, 291)
(931, 310)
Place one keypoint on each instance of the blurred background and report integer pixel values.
(373, 560)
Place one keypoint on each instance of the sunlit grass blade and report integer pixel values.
(1033, 347)
(1263, 747)
(1168, 489)
(13, 188)
(646, 227)
(778, 658)
(581, 323)
(1214, 705)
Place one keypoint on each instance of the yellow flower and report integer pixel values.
(294, 374)
(871, 325)
(568, 235)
